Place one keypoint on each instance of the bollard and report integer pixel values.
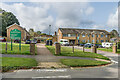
(57, 48)
(94, 49)
(6, 47)
(114, 49)
(73, 48)
(32, 48)
(83, 49)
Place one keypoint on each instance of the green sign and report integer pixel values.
(15, 34)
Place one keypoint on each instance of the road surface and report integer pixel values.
(109, 71)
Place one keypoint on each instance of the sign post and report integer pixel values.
(11, 44)
(15, 34)
(20, 45)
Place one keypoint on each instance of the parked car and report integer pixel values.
(97, 45)
(49, 42)
(106, 44)
(64, 42)
(16, 41)
(33, 41)
(81, 44)
(2, 39)
(89, 45)
(27, 42)
(100, 46)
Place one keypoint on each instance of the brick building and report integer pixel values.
(24, 33)
(77, 36)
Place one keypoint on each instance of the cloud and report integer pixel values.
(89, 10)
(71, 14)
(35, 17)
(113, 20)
(40, 15)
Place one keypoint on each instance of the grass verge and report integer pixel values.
(11, 63)
(66, 51)
(25, 49)
(81, 62)
(109, 50)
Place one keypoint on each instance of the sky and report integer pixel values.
(83, 15)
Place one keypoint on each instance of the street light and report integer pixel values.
(49, 33)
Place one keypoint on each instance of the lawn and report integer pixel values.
(108, 50)
(25, 48)
(65, 51)
(9, 63)
(81, 62)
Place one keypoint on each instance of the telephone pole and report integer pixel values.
(49, 33)
(49, 29)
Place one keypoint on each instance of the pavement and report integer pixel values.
(109, 71)
(16, 55)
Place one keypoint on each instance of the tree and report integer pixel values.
(7, 19)
(43, 34)
(38, 32)
(31, 31)
(114, 33)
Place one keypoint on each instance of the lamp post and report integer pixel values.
(49, 33)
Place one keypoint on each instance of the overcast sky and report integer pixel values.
(87, 15)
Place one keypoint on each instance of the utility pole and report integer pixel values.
(49, 29)
(49, 33)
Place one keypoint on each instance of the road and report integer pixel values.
(109, 71)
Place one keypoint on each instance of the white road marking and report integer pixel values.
(42, 70)
(52, 70)
(67, 76)
(114, 61)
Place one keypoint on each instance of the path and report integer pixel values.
(45, 59)
(16, 55)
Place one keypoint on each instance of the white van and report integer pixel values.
(64, 42)
(106, 44)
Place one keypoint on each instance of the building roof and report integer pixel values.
(80, 31)
(19, 26)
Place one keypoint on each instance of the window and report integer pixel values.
(68, 35)
(102, 41)
(92, 41)
(88, 41)
(102, 35)
(83, 41)
(106, 35)
(106, 40)
(92, 35)
(97, 41)
(65, 35)
(97, 35)
(83, 35)
(72, 35)
(88, 35)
